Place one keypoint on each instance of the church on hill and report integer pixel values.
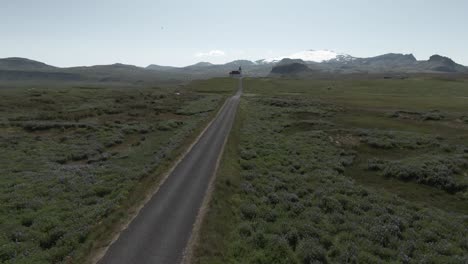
(237, 73)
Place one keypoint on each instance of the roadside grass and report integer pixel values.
(344, 171)
(381, 120)
(76, 162)
(426, 94)
(215, 85)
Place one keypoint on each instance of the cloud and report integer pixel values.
(211, 53)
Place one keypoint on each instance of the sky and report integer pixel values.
(175, 32)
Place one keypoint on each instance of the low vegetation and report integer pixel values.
(320, 172)
(75, 160)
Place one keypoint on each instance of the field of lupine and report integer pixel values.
(334, 171)
(73, 161)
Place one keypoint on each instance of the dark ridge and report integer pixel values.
(442, 59)
(15, 63)
(36, 75)
(291, 68)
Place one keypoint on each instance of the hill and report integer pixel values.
(22, 64)
(302, 64)
(383, 64)
(291, 67)
(442, 64)
(19, 71)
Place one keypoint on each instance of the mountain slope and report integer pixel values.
(310, 55)
(291, 68)
(20, 69)
(22, 64)
(442, 64)
(156, 67)
(394, 62)
(299, 64)
(208, 70)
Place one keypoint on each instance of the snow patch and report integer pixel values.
(310, 55)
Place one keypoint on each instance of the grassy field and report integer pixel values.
(343, 171)
(76, 160)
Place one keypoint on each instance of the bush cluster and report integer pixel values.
(426, 169)
(434, 115)
(397, 140)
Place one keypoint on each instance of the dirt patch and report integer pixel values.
(309, 125)
(169, 116)
(306, 115)
(128, 142)
(347, 140)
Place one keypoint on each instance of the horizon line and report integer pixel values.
(206, 61)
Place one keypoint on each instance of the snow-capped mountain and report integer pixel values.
(312, 55)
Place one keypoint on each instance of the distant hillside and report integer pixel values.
(38, 76)
(310, 55)
(22, 64)
(203, 70)
(20, 70)
(160, 68)
(290, 67)
(392, 62)
(442, 64)
(111, 73)
(314, 62)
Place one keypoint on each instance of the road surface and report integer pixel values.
(161, 230)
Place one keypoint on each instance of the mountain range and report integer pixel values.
(298, 64)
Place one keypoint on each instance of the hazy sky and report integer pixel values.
(176, 32)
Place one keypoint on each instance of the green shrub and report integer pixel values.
(245, 229)
(311, 251)
(169, 125)
(433, 115)
(375, 164)
(249, 210)
(330, 205)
